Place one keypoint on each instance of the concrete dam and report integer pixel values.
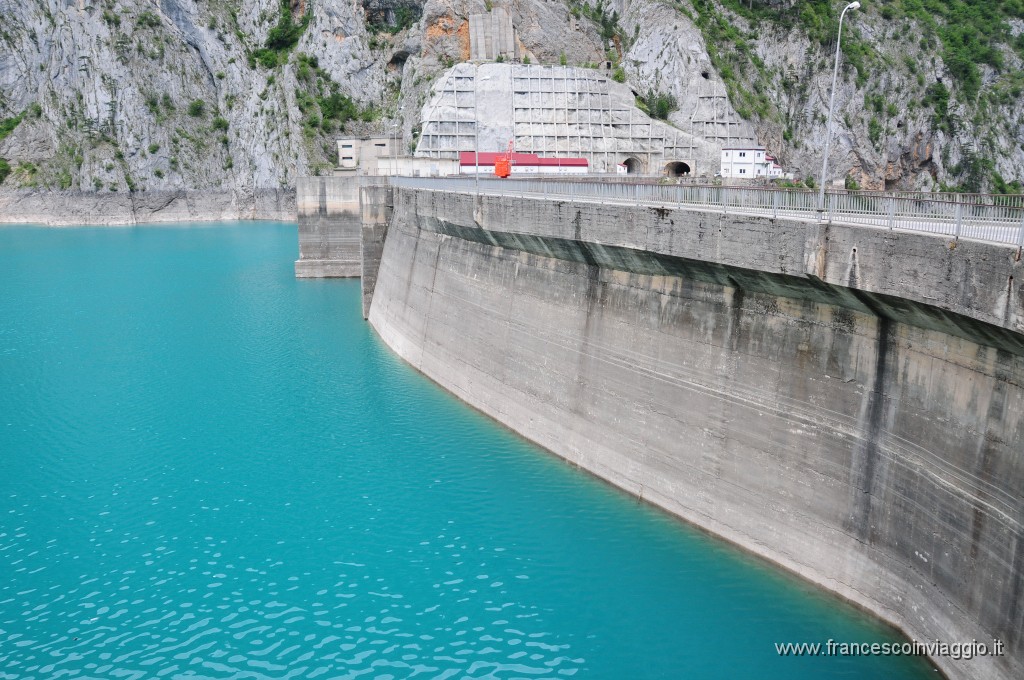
(845, 402)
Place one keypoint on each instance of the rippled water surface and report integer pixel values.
(210, 469)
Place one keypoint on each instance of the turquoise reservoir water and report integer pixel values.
(210, 469)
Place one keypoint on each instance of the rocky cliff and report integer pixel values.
(105, 96)
(179, 95)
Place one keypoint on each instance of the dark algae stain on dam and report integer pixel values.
(211, 469)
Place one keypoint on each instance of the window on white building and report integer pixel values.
(743, 171)
(743, 154)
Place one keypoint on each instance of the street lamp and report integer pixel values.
(831, 103)
(476, 128)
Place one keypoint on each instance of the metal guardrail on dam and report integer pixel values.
(998, 219)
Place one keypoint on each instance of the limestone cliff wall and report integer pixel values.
(859, 424)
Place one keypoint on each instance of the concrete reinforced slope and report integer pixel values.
(847, 403)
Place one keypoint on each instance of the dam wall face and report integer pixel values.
(846, 403)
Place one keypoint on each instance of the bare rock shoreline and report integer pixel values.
(66, 208)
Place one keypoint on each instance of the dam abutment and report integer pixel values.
(329, 222)
(845, 402)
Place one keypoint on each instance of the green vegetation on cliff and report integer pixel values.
(970, 32)
(404, 14)
(7, 125)
(281, 38)
(957, 62)
(967, 34)
(321, 101)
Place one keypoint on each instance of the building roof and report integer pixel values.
(743, 148)
(521, 159)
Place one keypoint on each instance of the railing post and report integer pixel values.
(725, 201)
(1020, 230)
(959, 219)
(892, 213)
(775, 205)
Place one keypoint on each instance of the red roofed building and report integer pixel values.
(522, 164)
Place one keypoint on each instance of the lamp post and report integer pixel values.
(831, 104)
(476, 129)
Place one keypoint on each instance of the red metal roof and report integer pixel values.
(522, 159)
(562, 162)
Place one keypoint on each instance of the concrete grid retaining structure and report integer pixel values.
(554, 111)
(845, 402)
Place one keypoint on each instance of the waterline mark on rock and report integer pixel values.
(953, 650)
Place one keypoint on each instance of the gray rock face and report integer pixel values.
(106, 90)
(114, 83)
(888, 135)
(669, 56)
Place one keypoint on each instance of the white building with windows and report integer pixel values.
(749, 163)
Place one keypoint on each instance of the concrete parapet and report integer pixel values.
(846, 402)
(977, 280)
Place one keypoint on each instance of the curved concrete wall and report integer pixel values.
(805, 420)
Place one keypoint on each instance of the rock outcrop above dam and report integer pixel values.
(847, 403)
(240, 97)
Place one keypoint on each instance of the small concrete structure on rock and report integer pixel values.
(375, 156)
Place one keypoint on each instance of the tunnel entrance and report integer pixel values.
(677, 169)
(633, 166)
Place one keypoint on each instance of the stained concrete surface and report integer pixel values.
(848, 403)
(329, 226)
